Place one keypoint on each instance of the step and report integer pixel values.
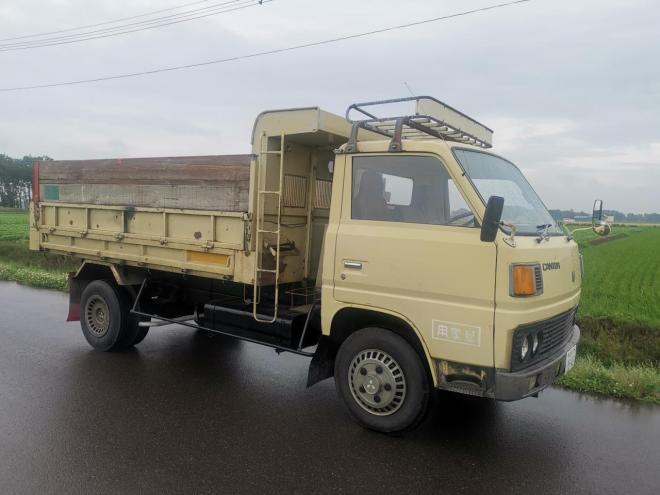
(241, 321)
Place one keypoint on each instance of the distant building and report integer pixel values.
(569, 220)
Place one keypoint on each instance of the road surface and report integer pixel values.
(187, 412)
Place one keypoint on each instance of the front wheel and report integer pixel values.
(382, 380)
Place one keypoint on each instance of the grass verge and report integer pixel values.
(619, 342)
(19, 264)
(639, 381)
(35, 278)
(616, 359)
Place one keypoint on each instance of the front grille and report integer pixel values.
(554, 331)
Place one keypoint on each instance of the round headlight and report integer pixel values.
(524, 349)
(535, 343)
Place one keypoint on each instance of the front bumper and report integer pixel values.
(520, 384)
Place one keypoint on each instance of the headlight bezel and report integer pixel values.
(532, 341)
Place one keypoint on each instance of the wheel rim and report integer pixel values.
(97, 316)
(377, 382)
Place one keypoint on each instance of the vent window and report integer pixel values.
(322, 193)
(295, 191)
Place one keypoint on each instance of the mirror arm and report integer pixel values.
(511, 239)
(567, 232)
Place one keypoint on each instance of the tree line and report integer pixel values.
(16, 180)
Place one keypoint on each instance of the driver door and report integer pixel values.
(408, 243)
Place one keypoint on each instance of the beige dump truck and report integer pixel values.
(389, 246)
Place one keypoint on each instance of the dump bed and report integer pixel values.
(182, 214)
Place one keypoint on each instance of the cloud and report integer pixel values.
(618, 159)
(515, 133)
(626, 178)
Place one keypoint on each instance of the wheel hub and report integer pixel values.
(377, 382)
(97, 316)
(372, 384)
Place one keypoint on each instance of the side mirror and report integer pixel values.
(597, 214)
(492, 218)
(599, 226)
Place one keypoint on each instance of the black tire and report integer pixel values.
(381, 360)
(105, 317)
(141, 334)
(132, 333)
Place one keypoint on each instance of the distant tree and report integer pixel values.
(16, 180)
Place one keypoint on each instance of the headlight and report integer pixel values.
(524, 348)
(535, 343)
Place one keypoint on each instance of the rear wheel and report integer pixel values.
(105, 317)
(132, 334)
(382, 380)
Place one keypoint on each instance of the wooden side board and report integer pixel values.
(210, 170)
(218, 183)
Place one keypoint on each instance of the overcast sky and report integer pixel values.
(571, 88)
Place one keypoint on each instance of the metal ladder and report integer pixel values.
(262, 194)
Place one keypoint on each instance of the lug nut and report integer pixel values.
(379, 369)
(363, 371)
(388, 387)
(376, 398)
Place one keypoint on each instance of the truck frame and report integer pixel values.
(368, 244)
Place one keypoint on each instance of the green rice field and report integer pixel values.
(622, 276)
(13, 225)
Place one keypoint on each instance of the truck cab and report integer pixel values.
(492, 317)
(398, 252)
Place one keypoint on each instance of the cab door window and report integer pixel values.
(411, 189)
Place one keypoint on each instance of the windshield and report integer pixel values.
(494, 176)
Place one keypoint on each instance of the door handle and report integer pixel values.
(356, 265)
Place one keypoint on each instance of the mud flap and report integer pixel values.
(75, 291)
(322, 365)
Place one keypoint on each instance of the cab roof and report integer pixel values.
(431, 120)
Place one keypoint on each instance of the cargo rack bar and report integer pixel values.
(432, 119)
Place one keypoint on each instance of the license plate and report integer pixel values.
(570, 359)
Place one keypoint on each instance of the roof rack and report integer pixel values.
(432, 119)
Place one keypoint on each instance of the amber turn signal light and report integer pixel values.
(522, 280)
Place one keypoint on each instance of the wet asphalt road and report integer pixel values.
(186, 412)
